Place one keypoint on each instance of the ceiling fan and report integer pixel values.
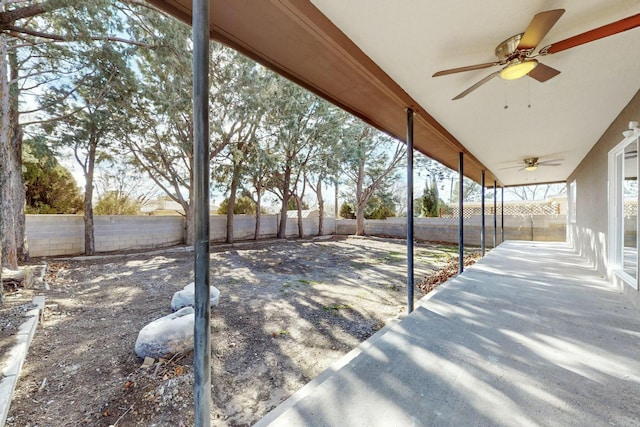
(516, 54)
(533, 163)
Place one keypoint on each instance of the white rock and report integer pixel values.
(167, 335)
(186, 297)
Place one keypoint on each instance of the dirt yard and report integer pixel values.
(287, 311)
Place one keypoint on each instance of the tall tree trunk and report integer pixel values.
(282, 230)
(89, 237)
(336, 209)
(300, 224)
(256, 234)
(359, 201)
(232, 202)
(16, 144)
(320, 206)
(4, 133)
(188, 207)
(8, 162)
(189, 225)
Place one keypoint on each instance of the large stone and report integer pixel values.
(167, 335)
(186, 297)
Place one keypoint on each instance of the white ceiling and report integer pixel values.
(411, 40)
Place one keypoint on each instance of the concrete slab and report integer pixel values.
(529, 336)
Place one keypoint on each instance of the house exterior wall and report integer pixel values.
(589, 233)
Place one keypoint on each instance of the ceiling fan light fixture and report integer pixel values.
(518, 69)
(531, 168)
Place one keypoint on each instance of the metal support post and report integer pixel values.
(495, 214)
(409, 210)
(502, 217)
(483, 239)
(202, 325)
(461, 210)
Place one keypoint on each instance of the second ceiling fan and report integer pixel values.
(517, 54)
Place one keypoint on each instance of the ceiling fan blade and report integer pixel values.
(550, 162)
(511, 167)
(477, 85)
(542, 73)
(592, 35)
(467, 68)
(539, 27)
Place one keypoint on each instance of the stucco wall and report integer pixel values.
(589, 233)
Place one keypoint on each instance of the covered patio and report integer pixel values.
(530, 335)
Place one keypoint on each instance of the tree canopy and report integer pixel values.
(50, 187)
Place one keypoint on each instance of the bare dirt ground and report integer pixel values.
(288, 309)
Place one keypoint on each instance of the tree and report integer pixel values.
(346, 211)
(471, 193)
(298, 121)
(35, 41)
(93, 117)
(293, 205)
(244, 205)
(369, 160)
(50, 188)
(244, 99)
(380, 206)
(259, 164)
(162, 145)
(430, 200)
(324, 166)
(116, 203)
(535, 192)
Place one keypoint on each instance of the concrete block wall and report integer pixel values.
(55, 235)
(51, 235)
(59, 235)
(537, 227)
(120, 232)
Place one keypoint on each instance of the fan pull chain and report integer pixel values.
(529, 91)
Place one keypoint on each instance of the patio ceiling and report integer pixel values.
(374, 58)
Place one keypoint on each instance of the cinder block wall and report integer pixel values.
(55, 235)
(119, 232)
(537, 227)
(58, 235)
(51, 235)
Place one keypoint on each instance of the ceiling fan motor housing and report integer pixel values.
(505, 50)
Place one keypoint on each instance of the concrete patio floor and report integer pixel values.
(531, 335)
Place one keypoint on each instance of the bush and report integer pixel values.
(347, 211)
(50, 188)
(116, 203)
(379, 208)
(243, 205)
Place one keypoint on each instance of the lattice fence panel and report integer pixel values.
(630, 208)
(514, 209)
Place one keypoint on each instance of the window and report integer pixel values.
(572, 201)
(623, 209)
